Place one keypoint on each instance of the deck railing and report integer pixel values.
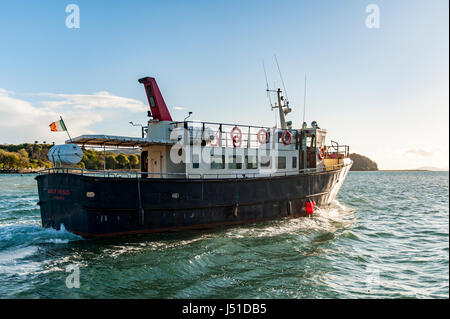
(150, 175)
(247, 136)
(337, 151)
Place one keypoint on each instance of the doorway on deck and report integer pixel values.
(308, 150)
(156, 164)
(144, 163)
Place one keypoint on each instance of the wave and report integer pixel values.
(25, 234)
(328, 219)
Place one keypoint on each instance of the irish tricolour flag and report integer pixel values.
(58, 126)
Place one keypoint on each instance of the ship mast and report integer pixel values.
(283, 107)
(280, 109)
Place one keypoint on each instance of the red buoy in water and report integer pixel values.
(310, 207)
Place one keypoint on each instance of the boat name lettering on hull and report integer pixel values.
(64, 192)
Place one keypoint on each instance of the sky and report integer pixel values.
(382, 90)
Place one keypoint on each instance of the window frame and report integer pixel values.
(254, 164)
(278, 162)
(195, 161)
(232, 161)
(266, 165)
(222, 157)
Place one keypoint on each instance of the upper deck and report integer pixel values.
(190, 149)
(171, 149)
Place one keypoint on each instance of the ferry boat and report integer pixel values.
(193, 175)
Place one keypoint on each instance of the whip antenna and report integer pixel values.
(281, 77)
(304, 101)
(267, 84)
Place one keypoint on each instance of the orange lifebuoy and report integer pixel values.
(283, 137)
(263, 132)
(321, 154)
(236, 138)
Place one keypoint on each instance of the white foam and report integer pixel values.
(56, 241)
(327, 219)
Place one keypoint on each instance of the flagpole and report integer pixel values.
(66, 129)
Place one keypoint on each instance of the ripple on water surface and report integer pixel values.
(387, 236)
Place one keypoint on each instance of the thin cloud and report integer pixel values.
(92, 101)
(24, 121)
(421, 152)
(5, 92)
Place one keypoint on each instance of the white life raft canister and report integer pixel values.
(65, 154)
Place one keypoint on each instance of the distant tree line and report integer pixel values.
(34, 156)
(362, 163)
(25, 155)
(96, 160)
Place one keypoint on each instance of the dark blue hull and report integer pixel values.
(104, 206)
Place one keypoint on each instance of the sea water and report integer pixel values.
(386, 236)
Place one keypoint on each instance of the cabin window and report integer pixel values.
(235, 162)
(217, 161)
(294, 162)
(281, 162)
(265, 162)
(195, 161)
(251, 162)
(310, 141)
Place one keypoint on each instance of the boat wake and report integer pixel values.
(25, 234)
(329, 219)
